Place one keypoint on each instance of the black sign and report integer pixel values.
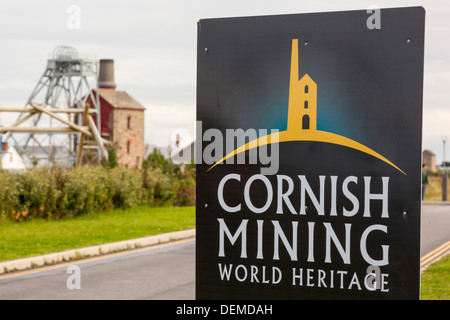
(309, 155)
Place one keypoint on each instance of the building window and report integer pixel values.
(306, 104)
(128, 146)
(129, 122)
(306, 89)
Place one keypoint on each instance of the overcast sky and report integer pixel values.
(154, 42)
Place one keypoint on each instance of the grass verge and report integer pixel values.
(434, 189)
(37, 237)
(435, 282)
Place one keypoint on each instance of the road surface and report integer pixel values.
(165, 272)
(435, 226)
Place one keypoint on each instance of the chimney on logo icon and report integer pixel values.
(302, 113)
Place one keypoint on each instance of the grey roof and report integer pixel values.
(120, 99)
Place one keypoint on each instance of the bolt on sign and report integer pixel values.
(309, 130)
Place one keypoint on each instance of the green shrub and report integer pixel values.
(55, 193)
(9, 194)
(159, 188)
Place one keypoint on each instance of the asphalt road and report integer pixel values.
(435, 226)
(165, 272)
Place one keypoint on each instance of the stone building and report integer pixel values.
(429, 158)
(122, 122)
(122, 118)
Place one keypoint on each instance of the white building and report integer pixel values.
(11, 160)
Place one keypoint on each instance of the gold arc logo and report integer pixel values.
(302, 119)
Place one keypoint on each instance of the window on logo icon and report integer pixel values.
(306, 89)
(306, 104)
(305, 122)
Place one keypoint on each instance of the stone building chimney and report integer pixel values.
(106, 74)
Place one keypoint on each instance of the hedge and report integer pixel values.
(55, 193)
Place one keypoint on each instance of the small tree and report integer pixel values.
(112, 159)
(157, 160)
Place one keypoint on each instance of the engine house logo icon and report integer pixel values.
(302, 118)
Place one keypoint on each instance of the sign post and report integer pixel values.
(309, 155)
